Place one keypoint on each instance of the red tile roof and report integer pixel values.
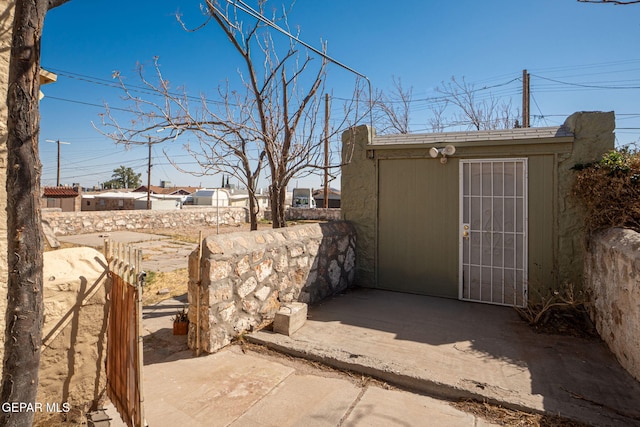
(59, 192)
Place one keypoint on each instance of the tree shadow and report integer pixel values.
(77, 326)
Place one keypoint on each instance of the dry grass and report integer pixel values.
(609, 189)
(508, 417)
(175, 282)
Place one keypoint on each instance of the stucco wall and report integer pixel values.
(593, 137)
(612, 281)
(243, 278)
(556, 242)
(74, 331)
(67, 223)
(6, 23)
(360, 198)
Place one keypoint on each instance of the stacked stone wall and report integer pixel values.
(612, 281)
(306, 214)
(69, 223)
(320, 214)
(242, 279)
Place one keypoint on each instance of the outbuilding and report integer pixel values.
(211, 197)
(482, 216)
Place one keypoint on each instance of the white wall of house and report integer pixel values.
(159, 204)
(211, 197)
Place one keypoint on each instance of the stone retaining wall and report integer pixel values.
(321, 214)
(246, 276)
(69, 223)
(612, 281)
(314, 214)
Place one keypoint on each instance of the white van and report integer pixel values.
(303, 198)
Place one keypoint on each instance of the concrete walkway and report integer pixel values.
(160, 253)
(236, 388)
(456, 349)
(436, 347)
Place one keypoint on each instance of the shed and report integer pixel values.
(66, 198)
(211, 197)
(333, 197)
(492, 223)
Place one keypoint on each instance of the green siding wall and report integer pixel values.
(418, 227)
(542, 231)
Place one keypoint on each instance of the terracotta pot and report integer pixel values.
(180, 328)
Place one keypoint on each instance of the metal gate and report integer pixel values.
(493, 231)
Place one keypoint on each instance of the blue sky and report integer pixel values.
(580, 56)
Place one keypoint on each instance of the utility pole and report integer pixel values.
(149, 177)
(58, 142)
(326, 150)
(525, 99)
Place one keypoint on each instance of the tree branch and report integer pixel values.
(615, 2)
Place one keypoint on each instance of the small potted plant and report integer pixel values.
(181, 322)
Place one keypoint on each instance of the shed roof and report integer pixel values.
(59, 192)
(469, 136)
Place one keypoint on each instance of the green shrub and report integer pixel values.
(610, 190)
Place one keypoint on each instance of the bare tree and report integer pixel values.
(485, 114)
(282, 114)
(394, 109)
(268, 122)
(436, 121)
(226, 136)
(25, 309)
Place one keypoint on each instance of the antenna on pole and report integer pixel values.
(58, 142)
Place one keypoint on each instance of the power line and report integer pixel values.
(586, 85)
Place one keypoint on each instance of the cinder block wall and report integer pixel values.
(612, 281)
(242, 279)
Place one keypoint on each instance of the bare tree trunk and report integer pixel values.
(253, 211)
(24, 316)
(276, 198)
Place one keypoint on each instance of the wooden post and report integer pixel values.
(326, 151)
(198, 295)
(149, 178)
(526, 114)
(139, 369)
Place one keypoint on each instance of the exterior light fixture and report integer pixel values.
(448, 150)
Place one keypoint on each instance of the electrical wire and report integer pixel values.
(585, 85)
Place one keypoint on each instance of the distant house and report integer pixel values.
(66, 198)
(165, 189)
(115, 201)
(333, 196)
(110, 201)
(211, 197)
(241, 198)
